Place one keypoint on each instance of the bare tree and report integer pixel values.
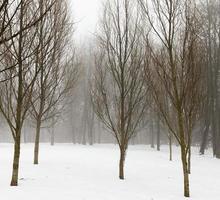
(211, 35)
(173, 69)
(16, 91)
(58, 70)
(118, 92)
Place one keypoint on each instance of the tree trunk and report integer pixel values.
(25, 135)
(152, 133)
(204, 139)
(18, 119)
(73, 136)
(158, 134)
(99, 132)
(189, 151)
(73, 125)
(52, 138)
(84, 129)
(170, 147)
(91, 128)
(189, 161)
(214, 132)
(218, 145)
(121, 163)
(218, 135)
(183, 153)
(14, 180)
(218, 152)
(37, 141)
(185, 172)
(84, 137)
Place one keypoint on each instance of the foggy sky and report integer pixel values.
(85, 14)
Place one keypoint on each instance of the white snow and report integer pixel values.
(75, 172)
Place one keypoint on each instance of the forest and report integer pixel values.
(143, 88)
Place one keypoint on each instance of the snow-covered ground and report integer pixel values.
(68, 172)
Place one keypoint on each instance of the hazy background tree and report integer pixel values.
(210, 35)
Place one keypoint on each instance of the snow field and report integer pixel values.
(75, 172)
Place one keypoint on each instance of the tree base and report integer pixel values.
(14, 183)
(35, 163)
(186, 195)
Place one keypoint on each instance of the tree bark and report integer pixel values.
(158, 134)
(14, 180)
(170, 147)
(99, 132)
(214, 133)
(73, 131)
(37, 141)
(91, 128)
(183, 153)
(204, 139)
(189, 161)
(189, 151)
(52, 139)
(185, 173)
(73, 136)
(218, 145)
(152, 133)
(25, 134)
(121, 163)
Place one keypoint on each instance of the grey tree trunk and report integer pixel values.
(170, 147)
(14, 180)
(73, 136)
(204, 138)
(91, 128)
(37, 141)
(99, 129)
(52, 138)
(158, 134)
(152, 133)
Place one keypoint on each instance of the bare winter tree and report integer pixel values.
(175, 70)
(118, 92)
(88, 115)
(58, 72)
(16, 90)
(211, 36)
